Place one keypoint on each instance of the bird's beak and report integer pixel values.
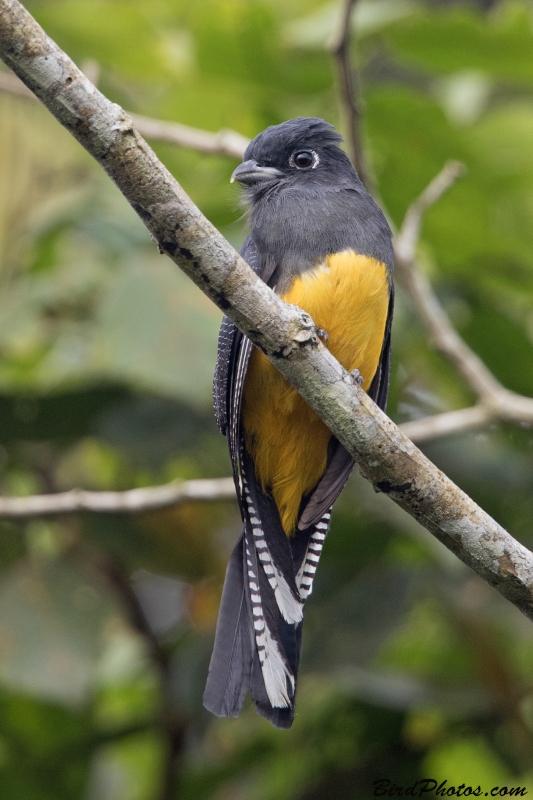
(250, 172)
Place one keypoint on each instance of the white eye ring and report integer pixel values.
(314, 165)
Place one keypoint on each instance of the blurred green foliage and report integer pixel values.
(412, 667)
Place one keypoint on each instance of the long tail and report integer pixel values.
(259, 629)
(230, 670)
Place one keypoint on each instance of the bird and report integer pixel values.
(321, 242)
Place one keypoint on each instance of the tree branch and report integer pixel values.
(497, 404)
(137, 501)
(340, 49)
(133, 501)
(285, 333)
(446, 424)
(495, 401)
(224, 143)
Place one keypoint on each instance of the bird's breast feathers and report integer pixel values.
(347, 295)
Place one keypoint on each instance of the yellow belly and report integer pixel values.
(348, 297)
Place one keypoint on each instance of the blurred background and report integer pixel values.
(412, 667)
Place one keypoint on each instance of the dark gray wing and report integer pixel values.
(230, 341)
(340, 462)
(258, 638)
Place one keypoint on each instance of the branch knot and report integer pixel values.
(299, 332)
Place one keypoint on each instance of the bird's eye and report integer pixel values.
(304, 159)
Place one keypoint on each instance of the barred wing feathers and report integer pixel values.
(229, 344)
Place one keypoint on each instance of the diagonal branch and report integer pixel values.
(407, 239)
(495, 402)
(340, 49)
(137, 501)
(284, 333)
(224, 143)
(443, 334)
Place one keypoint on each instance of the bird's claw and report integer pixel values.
(357, 377)
(323, 335)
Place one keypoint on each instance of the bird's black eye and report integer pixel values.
(304, 159)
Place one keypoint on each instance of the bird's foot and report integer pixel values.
(323, 335)
(357, 377)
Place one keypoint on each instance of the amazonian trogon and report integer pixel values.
(321, 242)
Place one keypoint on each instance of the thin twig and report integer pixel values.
(151, 498)
(446, 424)
(225, 143)
(132, 501)
(495, 401)
(409, 235)
(340, 49)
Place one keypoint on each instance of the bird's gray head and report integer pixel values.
(299, 152)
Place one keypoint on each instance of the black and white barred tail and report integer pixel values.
(258, 639)
(306, 573)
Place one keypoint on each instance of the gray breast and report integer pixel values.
(299, 228)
